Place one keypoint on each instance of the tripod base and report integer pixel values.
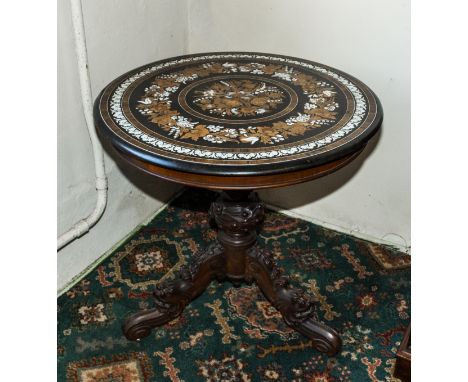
(235, 255)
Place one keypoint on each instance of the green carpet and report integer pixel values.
(228, 333)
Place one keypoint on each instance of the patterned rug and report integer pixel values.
(234, 334)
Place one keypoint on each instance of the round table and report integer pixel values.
(236, 122)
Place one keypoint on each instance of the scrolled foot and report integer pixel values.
(295, 306)
(139, 325)
(325, 339)
(171, 297)
(297, 309)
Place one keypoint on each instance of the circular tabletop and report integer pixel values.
(237, 114)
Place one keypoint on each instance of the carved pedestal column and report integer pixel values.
(238, 215)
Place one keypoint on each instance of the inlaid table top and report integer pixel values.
(237, 114)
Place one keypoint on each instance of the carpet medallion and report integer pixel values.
(228, 333)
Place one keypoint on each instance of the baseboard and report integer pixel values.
(334, 227)
(91, 267)
(360, 235)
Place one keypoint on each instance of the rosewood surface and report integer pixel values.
(214, 182)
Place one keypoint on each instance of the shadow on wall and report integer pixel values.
(309, 192)
(152, 186)
(299, 195)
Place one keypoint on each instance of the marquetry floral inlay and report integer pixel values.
(319, 103)
(239, 98)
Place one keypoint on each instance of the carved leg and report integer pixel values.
(238, 215)
(171, 297)
(294, 305)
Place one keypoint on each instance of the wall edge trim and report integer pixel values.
(85, 272)
(323, 223)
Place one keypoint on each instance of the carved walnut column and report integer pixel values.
(235, 255)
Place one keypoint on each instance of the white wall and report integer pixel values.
(366, 38)
(121, 35)
(369, 39)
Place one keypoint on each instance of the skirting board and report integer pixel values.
(361, 235)
(90, 267)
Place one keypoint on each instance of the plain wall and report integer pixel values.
(121, 35)
(366, 38)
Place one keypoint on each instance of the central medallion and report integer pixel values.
(238, 99)
(230, 104)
